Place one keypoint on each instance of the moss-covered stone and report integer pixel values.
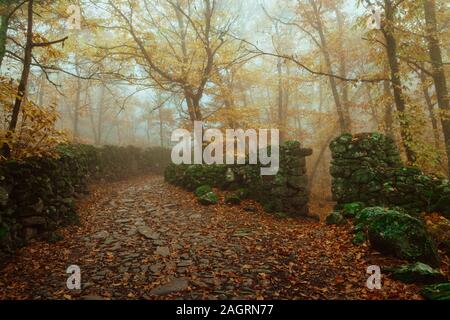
(235, 197)
(439, 291)
(395, 233)
(202, 190)
(359, 238)
(232, 198)
(417, 273)
(350, 210)
(208, 198)
(365, 216)
(335, 218)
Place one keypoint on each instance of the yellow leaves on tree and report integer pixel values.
(36, 134)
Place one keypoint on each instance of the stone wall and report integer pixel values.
(37, 195)
(367, 168)
(286, 192)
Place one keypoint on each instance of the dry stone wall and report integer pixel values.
(285, 192)
(367, 168)
(37, 194)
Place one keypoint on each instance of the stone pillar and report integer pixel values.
(288, 191)
(356, 166)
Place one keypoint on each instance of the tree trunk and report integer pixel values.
(344, 127)
(6, 151)
(100, 115)
(161, 128)
(193, 105)
(343, 68)
(430, 106)
(391, 49)
(440, 82)
(4, 16)
(149, 138)
(280, 101)
(388, 121)
(76, 115)
(41, 94)
(91, 115)
(373, 110)
(286, 99)
(197, 111)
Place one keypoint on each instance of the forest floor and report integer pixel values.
(145, 239)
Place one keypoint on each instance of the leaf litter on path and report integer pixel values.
(146, 239)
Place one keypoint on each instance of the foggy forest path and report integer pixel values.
(145, 239)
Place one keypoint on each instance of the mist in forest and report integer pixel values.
(131, 72)
(224, 150)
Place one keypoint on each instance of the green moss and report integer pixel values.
(335, 218)
(350, 210)
(359, 238)
(208, 198)
(363, 175)
(398, 234)
(232, 198)
(202, 190)
(236, 197)
(436, 291)
(3, 231)
(417, 273)
(365, 216)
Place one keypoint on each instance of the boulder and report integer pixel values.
(439, 291)
(335, 218)
(350, 210)
(236, 197)
(417, 273)
(359, 238)
(202, 190)
(398, 234)
(232, 198)
(208, 198)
